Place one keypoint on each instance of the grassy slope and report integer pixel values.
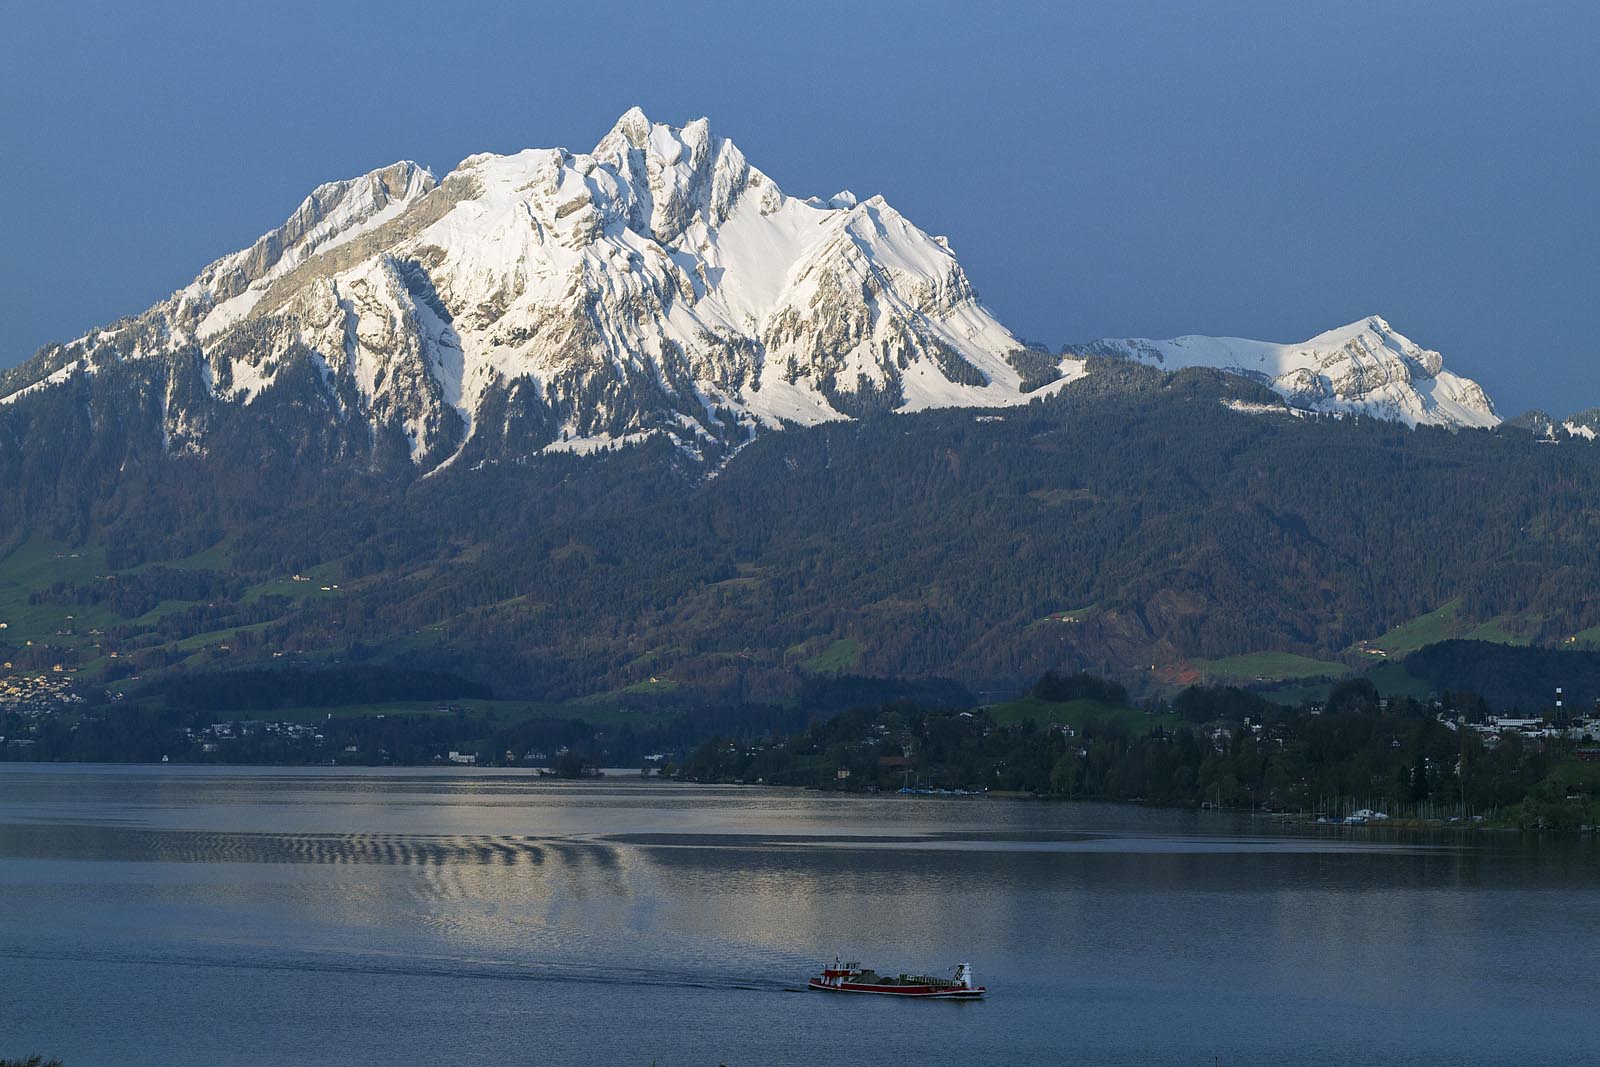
(821, 656)
(1270, 666)
(36, 566)
(1445, 623)
(1391, 680)
(1575, 772)
(1588, 639)
(1438, 625)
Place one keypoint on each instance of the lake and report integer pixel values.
(186, 916)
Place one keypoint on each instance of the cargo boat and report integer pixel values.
(853, 978)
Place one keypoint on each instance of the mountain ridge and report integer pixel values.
(658, 285)
(1366, 367)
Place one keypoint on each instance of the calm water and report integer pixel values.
(183, 916)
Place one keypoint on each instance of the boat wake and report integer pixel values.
(464, 968)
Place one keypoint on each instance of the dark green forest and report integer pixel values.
(1213, 746)
(1506, 676)
(1134, 526)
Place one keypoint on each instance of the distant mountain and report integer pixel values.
(1365, 368)
(551, 300)
(1584, 425)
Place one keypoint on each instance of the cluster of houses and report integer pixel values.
(215, 737)
(1495, 727)
(37, 694)
(212, 738)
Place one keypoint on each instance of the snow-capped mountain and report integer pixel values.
(1365, 368)
(557, 300)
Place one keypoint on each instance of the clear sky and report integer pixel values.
(1265, 170)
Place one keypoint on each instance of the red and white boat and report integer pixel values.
(853, 978)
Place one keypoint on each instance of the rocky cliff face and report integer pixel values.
(551, 300)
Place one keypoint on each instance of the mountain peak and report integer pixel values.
(675, 174)
(1375, 325)
(631, 129)
(660, 142)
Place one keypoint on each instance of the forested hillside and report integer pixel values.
(1136, 525)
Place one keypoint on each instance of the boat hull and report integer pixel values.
(920, 992)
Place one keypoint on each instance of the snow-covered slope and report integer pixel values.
(1364, 368)
(548, 300)
(1585, 424)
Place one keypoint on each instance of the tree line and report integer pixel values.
(1213, 746)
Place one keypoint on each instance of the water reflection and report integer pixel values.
(1131, 935)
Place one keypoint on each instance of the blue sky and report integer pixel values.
(1266, 170)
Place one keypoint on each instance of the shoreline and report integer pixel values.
(617, 775)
